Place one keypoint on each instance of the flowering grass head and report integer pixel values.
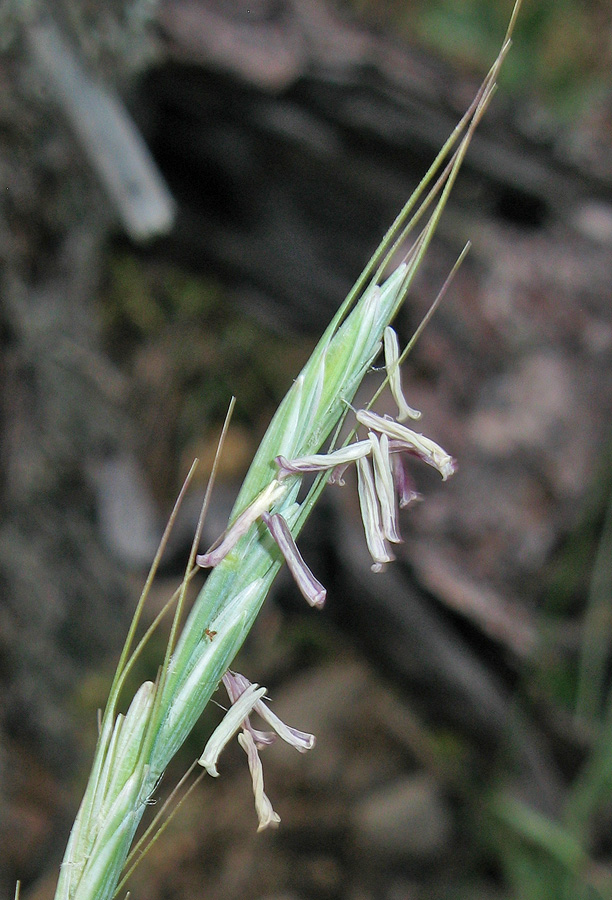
(271, 508)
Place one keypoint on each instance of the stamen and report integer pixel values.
(301, 740)
(235, 685)
(228, 727)
(228, 541)
(370, 516)
(404, 485)
(311, 589)
(322, 461)
(385, 487)
(337, 475)
(265, 813)
(395, 380)
(426, 449)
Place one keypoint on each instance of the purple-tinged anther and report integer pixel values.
(301, 740)
(404, 485)
(393, 371)
(247, 698)
(370, 515)
(235, 685)
(247, 517)
(322, 461)
(426, 449)
(337, 475)
(312, 590)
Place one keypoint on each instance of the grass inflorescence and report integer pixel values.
(135, 748)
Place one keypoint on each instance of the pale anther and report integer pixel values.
(395, 380)
(239, 528)
(265, 813)
(385, 486)
(228, 727)
(423, 447)
(322, 461)
(370, 515)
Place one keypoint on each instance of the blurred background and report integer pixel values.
(189, 189)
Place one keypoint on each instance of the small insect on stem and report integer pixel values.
(209, 634)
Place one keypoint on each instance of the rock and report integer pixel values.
(405, 820)
(325, 701)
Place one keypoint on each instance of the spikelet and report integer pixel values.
(134, 751)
